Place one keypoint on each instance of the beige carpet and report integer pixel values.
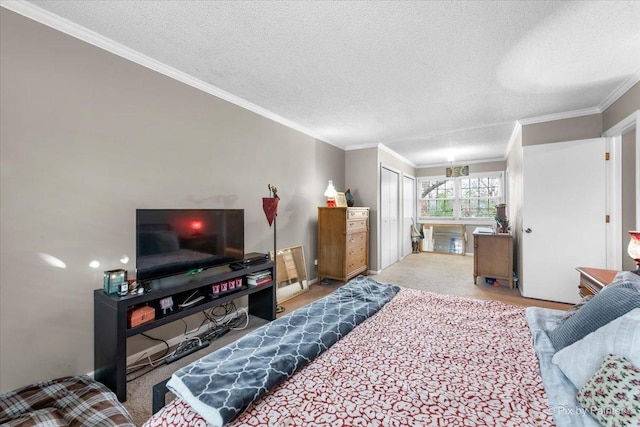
(438, 273)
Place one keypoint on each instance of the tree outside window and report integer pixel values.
(467, 197)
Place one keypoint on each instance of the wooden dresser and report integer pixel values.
(343, 243)
(493, 257)
(592, 280)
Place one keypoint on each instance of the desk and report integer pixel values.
(592, 280)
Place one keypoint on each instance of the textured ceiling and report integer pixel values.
(430, 80)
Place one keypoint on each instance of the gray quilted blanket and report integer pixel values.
(222, 384)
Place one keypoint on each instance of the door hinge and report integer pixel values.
(607, 219)
(606, 156)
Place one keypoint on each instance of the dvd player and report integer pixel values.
(255, 258)
(250, 259)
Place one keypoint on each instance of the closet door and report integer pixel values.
(389, 208)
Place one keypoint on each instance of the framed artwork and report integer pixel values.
(341, 200)
(291, 273)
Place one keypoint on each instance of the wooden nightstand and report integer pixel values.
(592, 280)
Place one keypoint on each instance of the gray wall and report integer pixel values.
(573, 129)
(362, 177)
(86, 138)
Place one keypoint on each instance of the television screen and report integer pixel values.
(175, 241)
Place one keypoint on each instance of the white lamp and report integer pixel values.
(331, 194)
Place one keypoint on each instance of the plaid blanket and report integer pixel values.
(68, 401)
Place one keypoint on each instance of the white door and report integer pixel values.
(389, 181)
(563, 217)
(408, 213)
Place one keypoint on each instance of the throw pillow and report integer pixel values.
(597, 312)
(628, 279)
(580, 360)
(612, 395)
(573, 310)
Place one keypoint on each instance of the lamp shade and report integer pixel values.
(330, 192)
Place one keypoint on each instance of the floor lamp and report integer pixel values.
(270, 207)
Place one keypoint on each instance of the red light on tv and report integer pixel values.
(196, 225)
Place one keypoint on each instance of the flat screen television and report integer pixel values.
(176, 241)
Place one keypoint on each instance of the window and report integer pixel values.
(465, 197)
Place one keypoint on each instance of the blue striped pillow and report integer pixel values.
(597, 312)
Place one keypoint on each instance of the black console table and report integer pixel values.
(111, 328)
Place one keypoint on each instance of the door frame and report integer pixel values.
(614, 186)
(414, 206)
(399, 212)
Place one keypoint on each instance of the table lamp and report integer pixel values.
(331, 193)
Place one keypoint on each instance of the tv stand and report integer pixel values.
(111, 327)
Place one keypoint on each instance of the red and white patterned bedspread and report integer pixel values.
(422, 360)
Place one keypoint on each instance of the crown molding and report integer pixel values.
(396, 155)
(461, 162)
(361, 146)
(560, 116)
(620, 90)
(77, 31)
(517, 129)
(380, 146)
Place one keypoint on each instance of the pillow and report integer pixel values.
(581, 359)
(598, 311)
(628, 279)
(612, 395)
(573, 310)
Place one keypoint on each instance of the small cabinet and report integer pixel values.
(343, 242)
(493, 257)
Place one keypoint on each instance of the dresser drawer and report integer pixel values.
(355, 260)
(356, 239)
(356, 225)
(357, 213)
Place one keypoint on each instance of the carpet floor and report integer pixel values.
(438, 273)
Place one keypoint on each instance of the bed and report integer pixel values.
(417, 359)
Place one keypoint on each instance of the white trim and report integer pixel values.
(362, 146)
(620, 90)
(624, 125)
(462, 162)
(71, 28)
(517, 129)
(396, 155)
(614, 202)
(560, 116)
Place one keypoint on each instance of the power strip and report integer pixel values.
(186, 349)
(158, 348)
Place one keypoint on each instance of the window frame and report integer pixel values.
(457, 199)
